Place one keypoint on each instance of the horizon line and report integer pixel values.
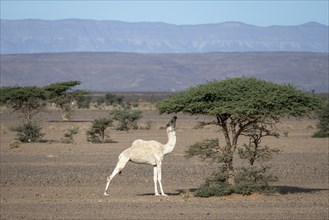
(162, 22)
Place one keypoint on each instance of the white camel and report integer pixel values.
(147, 152)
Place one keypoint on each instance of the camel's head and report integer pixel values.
(172, 123)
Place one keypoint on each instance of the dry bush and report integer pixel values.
(145, 125)
(15, 144)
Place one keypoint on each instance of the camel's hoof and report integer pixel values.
(105, 194)
(163, 194)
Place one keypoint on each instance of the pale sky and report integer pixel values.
(260, 13)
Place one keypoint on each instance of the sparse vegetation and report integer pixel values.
(113, 99)
(186, 194)
(69, 135)
(28, 101)
(29, 132)
(15, 144)
(97, 132)
(100, 101)
(127, 119)
(83, 168)
(61, 95)
(83, 101)
(323, 125)
(248, 180)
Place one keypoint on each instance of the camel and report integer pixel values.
(147, 152)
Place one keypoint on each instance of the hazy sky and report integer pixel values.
(260, 13)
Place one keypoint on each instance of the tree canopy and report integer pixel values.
(241, 97)
(63, 95)
(60, 89)
(239, 106)
(26, 100)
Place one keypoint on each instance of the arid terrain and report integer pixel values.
(53, 180)
(122, 72)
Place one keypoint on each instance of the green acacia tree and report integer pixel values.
(63, 95)
(28, 101)
(236, 105)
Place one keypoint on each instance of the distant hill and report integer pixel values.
(113, 71)
(72, 35)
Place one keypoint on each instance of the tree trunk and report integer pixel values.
(230, 171)
(66, 113)
(228, 127)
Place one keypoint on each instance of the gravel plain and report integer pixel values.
(53, 180)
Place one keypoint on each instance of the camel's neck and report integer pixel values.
(171, 142)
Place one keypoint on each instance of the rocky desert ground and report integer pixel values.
(54, 180)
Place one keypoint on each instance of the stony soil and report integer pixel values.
(53, 180)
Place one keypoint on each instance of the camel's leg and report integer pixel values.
(159, 165)
(155, 179)
(120, 165)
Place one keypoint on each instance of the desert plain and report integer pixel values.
(54, 180)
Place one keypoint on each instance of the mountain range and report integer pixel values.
(117, 71)
(73, 35)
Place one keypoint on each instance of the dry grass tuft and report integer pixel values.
(15, 144)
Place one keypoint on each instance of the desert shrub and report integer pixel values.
(216, 185)
(207, 149)
(97, 132)
(29, 132)
(112, 99)
(220, 189)
(135, 105)
(83, 101)
(69, 135)
(100, 100)
(253, 178)
(321, 134)
(186, 194)
(323, 125)
(127, 119)
(248, 180)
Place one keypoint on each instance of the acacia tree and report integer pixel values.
(236, 105)
(28, 101)
(62, 95)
